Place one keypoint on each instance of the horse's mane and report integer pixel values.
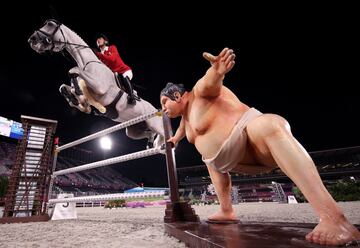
(76, 34)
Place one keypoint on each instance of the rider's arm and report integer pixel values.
(110, 55)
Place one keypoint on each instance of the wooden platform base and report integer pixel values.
(37, 218)
(244, 235)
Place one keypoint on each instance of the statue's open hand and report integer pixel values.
(222, 63)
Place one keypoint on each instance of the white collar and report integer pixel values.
(104, 48)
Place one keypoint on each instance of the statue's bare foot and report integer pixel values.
(331, 232)
(223, 217)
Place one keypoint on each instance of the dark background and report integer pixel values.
(296, 61)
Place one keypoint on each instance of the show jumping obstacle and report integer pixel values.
(175, 211)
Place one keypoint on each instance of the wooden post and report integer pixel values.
(176, 210)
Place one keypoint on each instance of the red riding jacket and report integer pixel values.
(112, 59)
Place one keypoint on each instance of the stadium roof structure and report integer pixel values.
(352, 153)
(355, 150)
(332, 164)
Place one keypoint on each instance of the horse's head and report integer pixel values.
(48, 38)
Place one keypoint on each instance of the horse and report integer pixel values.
(93, 83)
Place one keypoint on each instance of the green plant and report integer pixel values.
(298, 194)
(115, 203)
(146, 199)
(340, 191)
(345, 191)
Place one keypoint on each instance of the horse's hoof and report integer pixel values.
(66, 92)
(61, 87)
(159, 141)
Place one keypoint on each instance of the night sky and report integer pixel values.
(295, 62)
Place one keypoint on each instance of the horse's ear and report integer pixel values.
(54, 15)
(52, 20)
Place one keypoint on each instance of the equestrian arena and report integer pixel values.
(143, 227)
(140, 227)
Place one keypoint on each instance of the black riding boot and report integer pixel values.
(129, 90)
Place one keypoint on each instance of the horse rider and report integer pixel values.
(110, 56)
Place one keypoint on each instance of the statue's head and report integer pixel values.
(48, 38)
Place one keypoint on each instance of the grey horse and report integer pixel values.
(93, 83)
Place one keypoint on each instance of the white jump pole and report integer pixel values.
(123, 158)
(110, 130)
(107, 197)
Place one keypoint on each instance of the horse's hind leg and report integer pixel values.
(142, 131)
(139, 131)
(156, 125)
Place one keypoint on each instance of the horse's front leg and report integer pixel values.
(75, 86)
(89, 98)
(80, 89)
(73, 101)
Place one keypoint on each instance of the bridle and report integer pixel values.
(48, 38)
